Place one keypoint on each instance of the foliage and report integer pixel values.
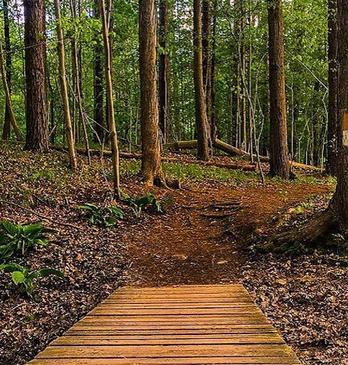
(139, 204)
(102, 216)
(18, 238)
(25, 279)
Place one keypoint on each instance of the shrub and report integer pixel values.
(17, 238)
(102, 216)
(139, 204)
(26, 279)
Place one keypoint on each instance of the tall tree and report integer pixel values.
(151, 160)
(6, 132)
(64, 88)
(98, 84)
(336, 216)
(279, 157)
(333, 87)
(110, 100)
(163, 77)
(35, 49)
(11, 115)
(202, 126)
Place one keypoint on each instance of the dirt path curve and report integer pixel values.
(185, 247)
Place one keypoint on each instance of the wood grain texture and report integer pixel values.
(175, 325)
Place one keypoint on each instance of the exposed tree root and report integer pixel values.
(317, 226)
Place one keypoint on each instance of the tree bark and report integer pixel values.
(110, 102)
(10, 113)
(98, 84)
(64, 89)
(200, 99)
(340, 200)
(151, 160)
(163, 79)
(6, 132)
(333, 88)
(35, 49)
(279, 156)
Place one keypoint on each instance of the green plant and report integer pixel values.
(25, 279)
(139, 204)
(102, 216)
(19, 238)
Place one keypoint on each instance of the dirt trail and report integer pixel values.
(186, 247)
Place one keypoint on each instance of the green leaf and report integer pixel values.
(11, 267)
(47, 272)
(18, 277)
(9, 227)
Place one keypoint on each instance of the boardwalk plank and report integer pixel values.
(182, 325)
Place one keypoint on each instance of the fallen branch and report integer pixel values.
(129, 155)
(234, 151)
(41, 216)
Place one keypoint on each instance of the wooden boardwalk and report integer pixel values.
(215, 324)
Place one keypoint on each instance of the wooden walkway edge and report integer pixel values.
(187, 325)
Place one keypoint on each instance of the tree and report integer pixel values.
(35, 49)
(202, 126)
(336, 215)
(151, 155)
(6, 132)
(333, 86)
(279, 156)
(98, 84)
(9, 108)
(64, 89)
(110, 101)
(163, 78)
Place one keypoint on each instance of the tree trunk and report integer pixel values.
(99, 122)
(340, 199)
(110, 101)
(200, 99)
(9, 108)
(151, 161)
(64, 89)
(163, 79)
(6, 132)
(333, 88)
(35, 49)
(78, 97)
(279, 157)
(213, 113)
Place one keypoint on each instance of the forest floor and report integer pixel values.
(208, 234)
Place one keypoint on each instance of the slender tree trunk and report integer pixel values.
(279, 158)
(213, 113)
(6, 132)
(76, 65)
(9, 108)
(207, 54)
(98, 84)
(110, 101)
(202, 126)
(333, 88)
(35, 49)
(64, 89)
(163, 79)
(151, 160)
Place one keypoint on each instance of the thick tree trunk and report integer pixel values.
(279, 157)
(340, 199)
(151, 160)
(202, 126)
(333, 88)
(35, 49)
(6, 132)
(110, 102)
(64, 89)
(98, 85)
(163, 78)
